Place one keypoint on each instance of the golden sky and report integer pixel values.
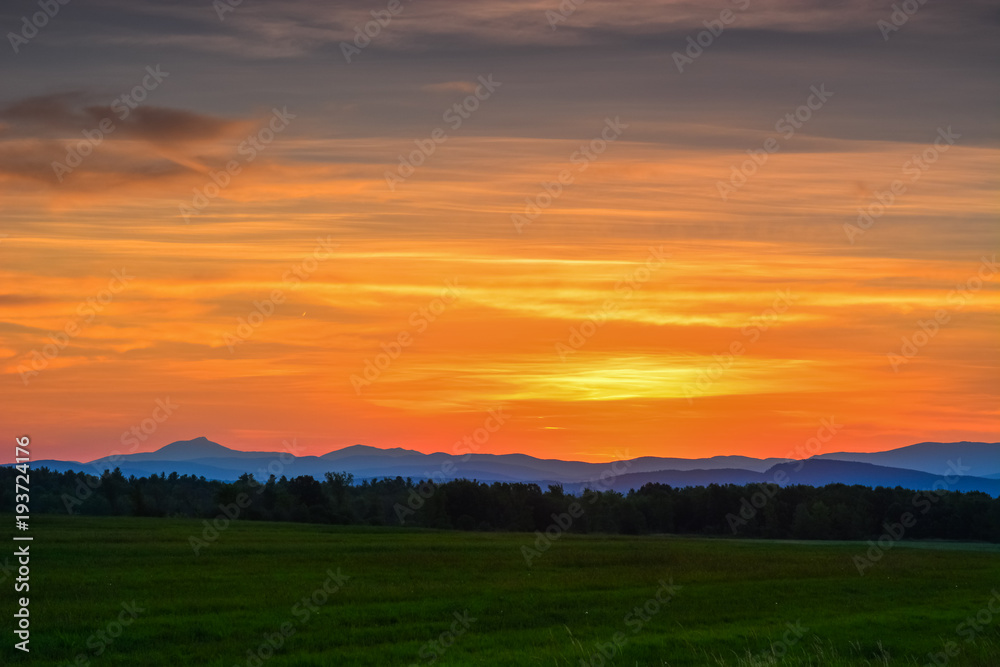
(560, 251)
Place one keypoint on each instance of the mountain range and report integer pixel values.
(958, 466)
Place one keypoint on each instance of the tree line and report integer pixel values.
(835, 511)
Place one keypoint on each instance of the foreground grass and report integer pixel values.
(404, 587)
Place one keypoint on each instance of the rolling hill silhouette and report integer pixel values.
(970, 466)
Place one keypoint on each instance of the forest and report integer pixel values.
(832, 512)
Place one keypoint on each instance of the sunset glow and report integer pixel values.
(606, 325)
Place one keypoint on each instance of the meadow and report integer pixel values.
(132, 592)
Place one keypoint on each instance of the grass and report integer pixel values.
(735, 599)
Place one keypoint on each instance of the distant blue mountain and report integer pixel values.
(916, 467)
(203, 457)
(194, 450)
(814, 472)
(983, 458)
(141, 468)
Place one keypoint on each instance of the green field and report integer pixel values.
(733, 602)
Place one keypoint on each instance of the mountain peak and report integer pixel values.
(200, 447)
(367, 450)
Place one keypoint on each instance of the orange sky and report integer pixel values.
(641, 237)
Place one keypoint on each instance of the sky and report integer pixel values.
(655, 228)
